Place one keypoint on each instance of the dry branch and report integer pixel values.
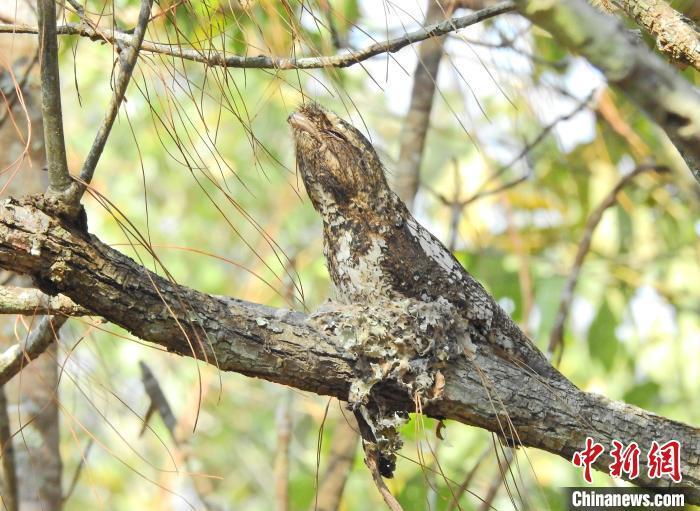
(567, 294)
(213, 57)
(127, 59)
(28, 301)
(304, 352)
(9, 498)
(676, 36)
(59, 177)
(38, 340)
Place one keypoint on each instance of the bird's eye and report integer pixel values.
(336, 134)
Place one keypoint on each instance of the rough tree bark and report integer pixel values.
(676, 36)
(306, 351)
(503, 384)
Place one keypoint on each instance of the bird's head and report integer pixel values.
(339, 166)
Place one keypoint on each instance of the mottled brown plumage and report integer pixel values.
(376, 250)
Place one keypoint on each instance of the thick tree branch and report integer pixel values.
(59, 177)
(656, 87)
(306, 352)
(676, 36)
(213, 57)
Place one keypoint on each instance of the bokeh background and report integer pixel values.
(201, 164)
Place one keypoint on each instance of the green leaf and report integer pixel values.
(643, 394)
(602, 342)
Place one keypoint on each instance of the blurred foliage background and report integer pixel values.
(201, 164)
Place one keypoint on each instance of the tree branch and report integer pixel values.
(676, 36)
(654, 86)
(212, 57)
(567, 294)
(9, 498)
(28, 301)
(307, 352)
(417, 120)
(59, 177)
(38, 340)
(127, 60)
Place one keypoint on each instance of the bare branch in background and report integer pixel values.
(37, 341)
(9, 497)
(339, 464)
(284, 437)
(17, 94)
(653, 85)
(457, 204)
(159, 402)
(78, 470)
(464, 485)
(567, 295)
(213, 57)
(127, 63)
(28, 301)
(417, 120)
(499, 480)
(59, 176)
(676, 36)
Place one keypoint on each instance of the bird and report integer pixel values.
(376, 250)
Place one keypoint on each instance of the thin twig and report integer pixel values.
(372, 464)
(498, 480)
(457, 205)
(339, 464)
(78, 470)
(508, 44)
(37, 341)
(159, 402)
(18, 90)
(127, 60)
(213, 57)
(59, 177)
(567, 294)
(464, 486)
(9, 498)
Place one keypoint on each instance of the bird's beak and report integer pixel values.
(301, 122)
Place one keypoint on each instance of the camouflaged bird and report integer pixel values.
(376, 250)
